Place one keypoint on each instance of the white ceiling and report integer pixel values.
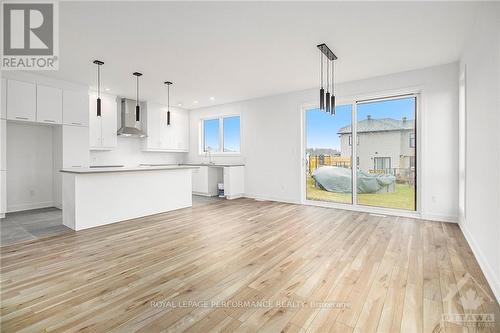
(235, 51)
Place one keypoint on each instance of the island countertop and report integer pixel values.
(126, 169)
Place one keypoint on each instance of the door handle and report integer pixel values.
(23, 118)
(49, 121)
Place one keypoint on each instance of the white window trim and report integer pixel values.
(201, 149)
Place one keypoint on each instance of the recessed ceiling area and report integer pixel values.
(218, 53)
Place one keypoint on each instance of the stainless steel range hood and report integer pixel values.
(129, 126)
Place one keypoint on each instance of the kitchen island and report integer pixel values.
(93, 197)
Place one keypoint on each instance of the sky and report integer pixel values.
(322, 128)
(231, 126)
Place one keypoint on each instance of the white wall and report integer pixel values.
(129, 153)
(271, 137)
(481, 223)
(30, 166)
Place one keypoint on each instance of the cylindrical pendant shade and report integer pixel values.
(333, 105)
(137, 113)
(322, 99)
(327, 101)
(98, 107)
(168, 117)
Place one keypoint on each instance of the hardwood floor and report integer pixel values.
(248, 266)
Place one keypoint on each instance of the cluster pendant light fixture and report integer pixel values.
(137, 107)
(327, 101)
(168, 83)
(99, 64)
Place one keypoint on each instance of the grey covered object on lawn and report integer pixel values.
(336, 179)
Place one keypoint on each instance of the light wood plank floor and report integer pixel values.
(246, 266)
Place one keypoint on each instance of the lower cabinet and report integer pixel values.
(205, 180)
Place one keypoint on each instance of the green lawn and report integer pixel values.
(402, 198)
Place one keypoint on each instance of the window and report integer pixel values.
(211, 135)
(382, 163)
(350, 140)
(412, 140)
(231, 137)
(412, 162)
(221, 135)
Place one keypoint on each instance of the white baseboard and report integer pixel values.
(266, 198)
(489, 273)
(28, 206)
(439, 217)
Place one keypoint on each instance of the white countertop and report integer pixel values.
(127, 169)
(215, 165)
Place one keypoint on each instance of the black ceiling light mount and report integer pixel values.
(330, 80)
(137, 107)
(99, 63)
(168, 83)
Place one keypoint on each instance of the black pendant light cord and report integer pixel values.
(333, 90)
(321, 90)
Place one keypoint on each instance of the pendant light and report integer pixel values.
(333, 92)
(99, 64)
(327, 96)
(168, 83)
(137, 107)
(321, 90)
(330, 79)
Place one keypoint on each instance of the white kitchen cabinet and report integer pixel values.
(76, 107)
(3, 193)
(21, 100)
(205, 180)
(3, 106)
(102, 130)
(234, 181)
(163, 137)
(75, 142)
(177, 133)
(153, 118)
(48, 105)
(3, 144)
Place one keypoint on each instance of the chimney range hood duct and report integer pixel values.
(129, 126)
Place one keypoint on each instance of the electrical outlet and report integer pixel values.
(32, 193)
(434, 200)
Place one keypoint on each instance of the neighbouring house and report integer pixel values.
(384, 145)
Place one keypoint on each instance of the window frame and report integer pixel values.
(221, 151)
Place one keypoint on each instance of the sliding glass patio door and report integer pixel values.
(328, 156)
(383, 144)
(386, 153)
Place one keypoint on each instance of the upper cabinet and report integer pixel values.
(102, 129)
(21, 100)
(3, 106)
(76, 107)
(49, 108)
(163, 137)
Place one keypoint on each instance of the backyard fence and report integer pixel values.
(315, 161)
